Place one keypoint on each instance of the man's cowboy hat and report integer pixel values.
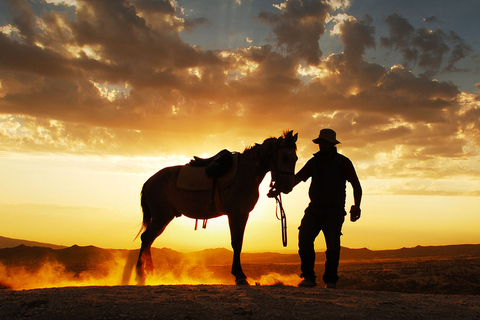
(328, 135)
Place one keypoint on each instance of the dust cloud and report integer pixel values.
(120, 270)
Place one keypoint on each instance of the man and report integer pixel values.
(329, 171)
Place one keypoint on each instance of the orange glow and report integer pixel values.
(120, 271)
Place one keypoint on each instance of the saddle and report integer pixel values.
(214, 173)
(205, 174)
(214, 166)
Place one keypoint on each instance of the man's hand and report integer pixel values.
(273, 193)
(355, 213)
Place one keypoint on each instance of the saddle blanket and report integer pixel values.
(195, 178)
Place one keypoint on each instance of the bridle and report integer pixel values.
(272, 157)
(279, 211)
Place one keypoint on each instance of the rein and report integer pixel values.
(282, 218)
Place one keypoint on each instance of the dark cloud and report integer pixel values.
(299, 26)
(356, 36)
(124, 37)
(432, 19)
(191, 24)
(460, 50)
(432, 48)
(124, 48)
(24, 19)
(156, 6)
(427, 48)
(401, 32)
(19, 57)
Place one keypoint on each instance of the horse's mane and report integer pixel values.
(289, 139)
(287, 136)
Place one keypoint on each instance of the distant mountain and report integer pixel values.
(20, 250)
(463, 250)
(77, 256)
(11, 243)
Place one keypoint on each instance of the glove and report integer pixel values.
(355, 213)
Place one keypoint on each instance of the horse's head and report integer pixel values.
(284, 158)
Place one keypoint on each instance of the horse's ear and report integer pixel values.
(295, 137)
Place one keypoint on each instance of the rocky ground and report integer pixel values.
(230, 302)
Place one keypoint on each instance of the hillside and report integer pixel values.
(88, 255)
(222, 255)
(10, 243)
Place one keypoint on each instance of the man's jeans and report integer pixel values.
(330, 221)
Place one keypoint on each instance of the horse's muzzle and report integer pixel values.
(285, 182)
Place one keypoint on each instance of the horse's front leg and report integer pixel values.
(237, 223)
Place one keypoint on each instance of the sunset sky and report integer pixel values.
(98, 95)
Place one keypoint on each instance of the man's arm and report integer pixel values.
(351, 176)
(355, 210)
(301, 175)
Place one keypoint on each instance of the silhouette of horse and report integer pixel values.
(162, 200)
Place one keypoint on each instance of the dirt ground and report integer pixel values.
(230, 302)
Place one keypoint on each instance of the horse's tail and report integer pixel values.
(147, 215)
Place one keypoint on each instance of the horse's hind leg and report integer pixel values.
(153, 230)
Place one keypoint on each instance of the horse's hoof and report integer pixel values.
(242, 282)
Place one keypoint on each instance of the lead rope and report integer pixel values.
(282, 218)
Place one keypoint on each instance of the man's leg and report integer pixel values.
(332, 231)
(308, 231)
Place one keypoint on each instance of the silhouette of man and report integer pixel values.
(329, 171)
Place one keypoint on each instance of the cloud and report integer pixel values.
(432, 19)
(460, 51)
(63, 2)
(356, 36)
(339, 4)
(425, 47)
(24, 19)
(298, 27)
(115, 77)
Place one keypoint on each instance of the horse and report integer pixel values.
(162, 200)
